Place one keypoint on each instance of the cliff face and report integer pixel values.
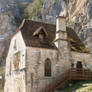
(53, 8)
(6, 31)
(78, 13)
(10, 17)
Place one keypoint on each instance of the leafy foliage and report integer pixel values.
(2, 73)
(34, 9)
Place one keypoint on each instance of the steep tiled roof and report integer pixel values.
(75, 42)
(30, 27)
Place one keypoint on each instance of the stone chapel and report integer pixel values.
(39, 52)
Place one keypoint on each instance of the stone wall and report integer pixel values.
(15, 78)
(62, 43)
(85, 58)
(36, 57)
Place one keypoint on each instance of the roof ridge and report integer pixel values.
(40, 22)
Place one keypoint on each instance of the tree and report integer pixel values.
(34, 9)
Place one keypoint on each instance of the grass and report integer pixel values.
(83, 86)
(2, 73)
(77, 86)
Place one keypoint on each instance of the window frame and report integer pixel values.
(47, 69)
(16, 60)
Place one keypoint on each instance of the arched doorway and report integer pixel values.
(79, 65)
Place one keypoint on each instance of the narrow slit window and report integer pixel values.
(15, 47)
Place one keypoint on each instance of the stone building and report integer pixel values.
(40, 52)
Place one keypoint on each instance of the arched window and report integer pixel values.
(47, 67)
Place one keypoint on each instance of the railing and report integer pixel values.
(80, 74)
(71, 74)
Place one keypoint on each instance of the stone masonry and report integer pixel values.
(26, 64)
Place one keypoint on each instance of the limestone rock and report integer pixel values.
(6, 31)
(78, 12)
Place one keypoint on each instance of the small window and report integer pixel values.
(47, 67)
(15, 47)
(72, 65)
(79, 64)
(16, 60)
(40, 33)
(10, 69)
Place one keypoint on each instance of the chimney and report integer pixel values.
(61, 23)
(62, 44)
(61, 33)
